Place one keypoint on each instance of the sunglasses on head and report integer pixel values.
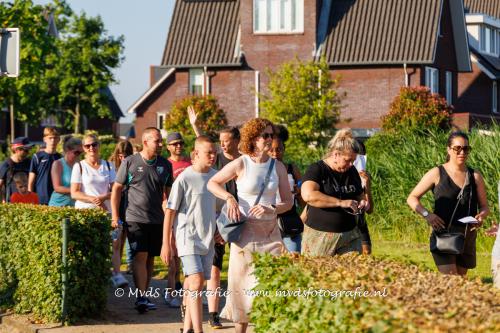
(93, 145)
(266, 136)
(458, 149)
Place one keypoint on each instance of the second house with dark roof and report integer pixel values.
(223, 48)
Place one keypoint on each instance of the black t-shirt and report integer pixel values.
(146, 184)
(7, 171)
(344, 186)
(230, 185)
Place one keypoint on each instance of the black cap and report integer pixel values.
(21, 142)
(173, 137)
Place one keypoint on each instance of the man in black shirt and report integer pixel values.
(148, 177)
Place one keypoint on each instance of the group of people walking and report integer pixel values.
(170, 208)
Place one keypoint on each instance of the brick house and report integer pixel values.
(479, 90)
(223, 47)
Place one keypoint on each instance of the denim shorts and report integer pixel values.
(197, 263)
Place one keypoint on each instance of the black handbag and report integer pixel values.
(230, 230)
(451, 242)
(290, 223)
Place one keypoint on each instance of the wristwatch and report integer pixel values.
(425, 213)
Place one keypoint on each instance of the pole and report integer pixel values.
(65, 225)
(11, 112)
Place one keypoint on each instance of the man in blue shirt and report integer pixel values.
(40, 180)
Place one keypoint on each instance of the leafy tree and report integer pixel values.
(210, 117)
(303, 96)
(83, 68)
(416, 109)
(26, 95)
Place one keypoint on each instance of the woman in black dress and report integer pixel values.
(459, 191)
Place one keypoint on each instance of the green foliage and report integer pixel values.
(28, 93)
(399, 296)
(31, 264)
(397, 162)
(83, 67)
(303, 96)
(211, 118)
(417, 109)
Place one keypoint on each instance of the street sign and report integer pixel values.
(9, 52)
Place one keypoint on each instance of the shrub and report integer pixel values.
(31, 263)
(303, 96)
(401, 298)
(417, 109)
(397, 161)
(211, 118)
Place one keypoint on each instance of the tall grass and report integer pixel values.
(398, 161)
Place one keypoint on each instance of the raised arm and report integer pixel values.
(193, 117)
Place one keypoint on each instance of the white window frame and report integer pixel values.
(277, 16)
(489, 40)
(494, 97)
(160, 120)
(449, 87)
(432, 79)
(197, 81)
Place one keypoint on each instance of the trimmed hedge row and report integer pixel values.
(31, 261)
(409, 300)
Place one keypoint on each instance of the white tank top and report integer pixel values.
(250, 183)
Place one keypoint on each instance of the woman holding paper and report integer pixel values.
(460, 204)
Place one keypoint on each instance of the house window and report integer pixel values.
(489, 39)
(196, 80)
(278, 16)
(449, 87)
(160, 121)
(494, 97)
(432, 79)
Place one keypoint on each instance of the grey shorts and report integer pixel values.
(197, 263)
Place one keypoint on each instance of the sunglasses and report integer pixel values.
(77, 152)
(93, 145)
(465, 149)
(176, 144)
(266, 136)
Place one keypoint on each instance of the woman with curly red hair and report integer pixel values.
(260, 232)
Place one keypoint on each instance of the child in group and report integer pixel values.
(193, 208)
(23, 195)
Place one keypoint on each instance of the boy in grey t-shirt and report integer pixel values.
(193, 208)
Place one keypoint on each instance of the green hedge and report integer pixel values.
(398, 161)
(409, 300)
(31, 261)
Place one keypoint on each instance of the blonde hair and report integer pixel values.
(90, 136)
(344, 142)
(50, 131)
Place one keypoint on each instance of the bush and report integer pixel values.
(295, 100)
(397, 161)
(31, 263)
(211, 118)
(417, 109)
(402, 298)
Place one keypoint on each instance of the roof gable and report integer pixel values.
(382, 31)
(488, 7)
(203, 33)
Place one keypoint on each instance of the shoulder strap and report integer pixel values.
(107, 164)
(459, 198)
(81, 170)
(266, 180)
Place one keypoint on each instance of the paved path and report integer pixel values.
(121, 317)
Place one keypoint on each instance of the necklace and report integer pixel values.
(146, 161)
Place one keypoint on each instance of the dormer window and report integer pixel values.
(489, 38)
(278, 16)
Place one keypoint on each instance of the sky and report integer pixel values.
(144, 24)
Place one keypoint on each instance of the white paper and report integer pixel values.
(360, 162)
(468, 219)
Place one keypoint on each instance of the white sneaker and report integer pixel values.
(119, 281)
